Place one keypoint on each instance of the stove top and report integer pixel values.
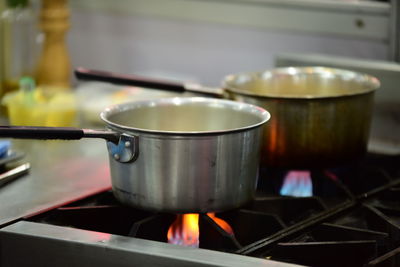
(348, 216)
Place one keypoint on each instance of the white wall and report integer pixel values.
(193, 50)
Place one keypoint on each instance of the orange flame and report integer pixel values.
(184, 230)
(223, 224)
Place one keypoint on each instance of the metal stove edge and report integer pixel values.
(34, 244)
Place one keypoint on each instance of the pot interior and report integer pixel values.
(185, 115)
(301, 82)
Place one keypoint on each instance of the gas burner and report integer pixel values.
(260, 219)
(352, 218)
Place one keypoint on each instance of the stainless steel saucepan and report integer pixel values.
(320, 116)
(178, 155)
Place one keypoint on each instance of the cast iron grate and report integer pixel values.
(255, 221)
(352, 219)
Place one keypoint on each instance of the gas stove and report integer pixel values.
(347, 216)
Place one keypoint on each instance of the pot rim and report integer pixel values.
(371, 83)
(263, 114)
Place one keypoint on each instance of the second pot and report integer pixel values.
(320, 116)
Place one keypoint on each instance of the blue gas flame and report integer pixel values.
(297, 184)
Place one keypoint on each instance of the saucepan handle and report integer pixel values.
(133, 80)
(122, 147)
(66, 133)
(145, 82)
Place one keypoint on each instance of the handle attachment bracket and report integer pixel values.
(127, 149)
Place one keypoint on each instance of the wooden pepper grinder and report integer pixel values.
(54, 66)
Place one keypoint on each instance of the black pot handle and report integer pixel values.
(133, 80)
(122, 147)
(65, 133)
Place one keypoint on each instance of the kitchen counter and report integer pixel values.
(61, 171)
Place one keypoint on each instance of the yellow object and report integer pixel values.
(41, 107)
(54, 68)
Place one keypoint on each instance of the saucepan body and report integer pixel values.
(192, 154)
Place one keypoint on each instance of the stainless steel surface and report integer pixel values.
(61, 171)
(320, 116)
(195, 154)
(14, 173)
(384, 137)
(328, 17)
(33, 244)
(394, 35)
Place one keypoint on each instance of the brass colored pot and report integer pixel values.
(320, 117)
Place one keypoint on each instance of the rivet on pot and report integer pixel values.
(116, 156)
(127, 144)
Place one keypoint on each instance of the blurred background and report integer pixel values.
(205, 40)
(185, 40)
